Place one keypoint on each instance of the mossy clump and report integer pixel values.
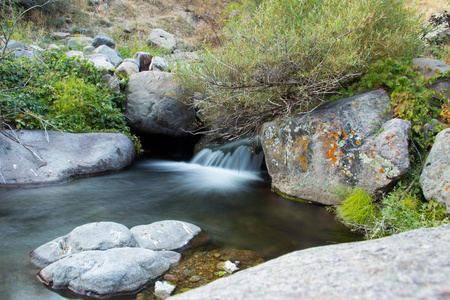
(357, 207)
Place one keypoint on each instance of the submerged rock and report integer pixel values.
(409, 265)
(37, 156)
(349, 142)
(104, 273)
(435, 177)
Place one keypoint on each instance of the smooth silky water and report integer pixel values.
(232, 203)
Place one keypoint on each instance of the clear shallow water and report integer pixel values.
(235, 208)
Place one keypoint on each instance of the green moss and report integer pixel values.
(358, 207)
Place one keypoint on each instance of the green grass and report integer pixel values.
(397, 212)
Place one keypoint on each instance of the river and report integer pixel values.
(235, 207)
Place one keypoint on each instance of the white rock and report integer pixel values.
(163, 289)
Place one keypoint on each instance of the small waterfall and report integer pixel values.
(243, 155)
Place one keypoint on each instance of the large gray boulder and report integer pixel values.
(435, 177)
(160, 37)
(343, 143)
(165, 235)
(39, 156)
(157, 104)
(105, 273)
(411, 265)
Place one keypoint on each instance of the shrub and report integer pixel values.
(57, 92)
(288, 55)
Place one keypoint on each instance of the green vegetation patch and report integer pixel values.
(288, 55)
(396, 212)
(52, 91)
(357, 207)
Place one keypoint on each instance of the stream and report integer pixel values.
(228, 200)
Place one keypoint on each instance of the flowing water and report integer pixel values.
(220, 191)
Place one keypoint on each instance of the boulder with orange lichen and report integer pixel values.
(350, 142)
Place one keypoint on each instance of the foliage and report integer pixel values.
(357, 207)
(411, 96)
(413, 100)
(288, 54)
(55, 91)
(398, 211)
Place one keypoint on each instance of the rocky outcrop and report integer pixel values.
(161, 38)
(156, 104)
(51, 156)
(409, 265)
(343, 143)
(435, 177)
(106, 258)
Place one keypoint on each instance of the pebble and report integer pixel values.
(194, 278)
(170, 277)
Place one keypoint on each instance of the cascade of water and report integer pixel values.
(240, 156)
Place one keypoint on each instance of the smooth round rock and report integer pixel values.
(165, 235)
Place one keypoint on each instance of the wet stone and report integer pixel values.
(195, 278)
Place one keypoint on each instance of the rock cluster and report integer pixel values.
(107, 258)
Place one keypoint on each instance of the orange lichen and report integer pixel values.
(301, 152)
(381, 171)
(358, 143)
(342, 172)
(446, 189)
(355, 105)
